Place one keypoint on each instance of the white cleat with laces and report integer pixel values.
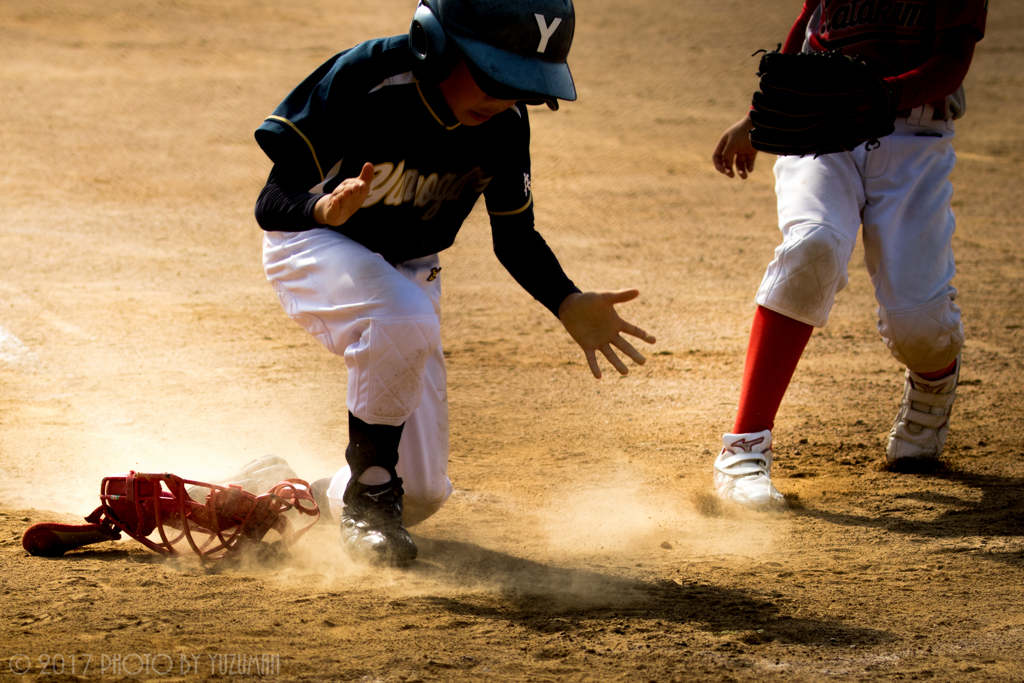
(743, 471)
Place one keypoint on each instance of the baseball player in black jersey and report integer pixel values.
(379, 156)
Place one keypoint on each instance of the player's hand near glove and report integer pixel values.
(808, 103)
(592, 322)
(735, 145)
(338, 206)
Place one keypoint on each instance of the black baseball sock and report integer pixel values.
(372, 446)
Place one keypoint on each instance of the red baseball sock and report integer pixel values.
(776, 343)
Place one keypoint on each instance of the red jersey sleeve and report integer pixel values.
(941, 74)
(972, 13)
(795, 40)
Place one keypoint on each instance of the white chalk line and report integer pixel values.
(11, 348)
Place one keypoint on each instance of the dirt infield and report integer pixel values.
(137, 331)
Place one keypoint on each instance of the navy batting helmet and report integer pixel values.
(516, 49)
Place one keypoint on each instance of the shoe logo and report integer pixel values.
(375, 496)
(433, 274)
(744, 444)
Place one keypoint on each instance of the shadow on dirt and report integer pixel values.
(997, 511)
(543, 598)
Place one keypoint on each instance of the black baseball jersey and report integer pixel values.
(365, 105)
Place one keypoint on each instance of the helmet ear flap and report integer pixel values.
(428, 45)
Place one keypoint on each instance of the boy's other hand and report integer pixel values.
(735, 144)
(337, 207)
(593, 323)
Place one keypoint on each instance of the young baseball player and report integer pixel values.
(898, 189)
(379, 156)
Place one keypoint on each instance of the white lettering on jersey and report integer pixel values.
(545, 30)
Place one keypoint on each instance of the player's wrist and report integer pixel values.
(320, 210)
(567, 303)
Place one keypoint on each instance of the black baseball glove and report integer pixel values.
(818, 103)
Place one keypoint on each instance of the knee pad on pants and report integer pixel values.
(808, 269)
(925, 338)
(416, 510)
(385, 367)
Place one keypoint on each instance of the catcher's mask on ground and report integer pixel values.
(228, 520)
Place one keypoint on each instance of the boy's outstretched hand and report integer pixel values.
(591, 321)
(337, 207)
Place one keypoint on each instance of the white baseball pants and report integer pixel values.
(899, 190)
(385, 321)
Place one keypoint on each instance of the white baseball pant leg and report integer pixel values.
(385, 321)
(900, 191)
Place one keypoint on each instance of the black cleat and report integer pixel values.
(371, 524)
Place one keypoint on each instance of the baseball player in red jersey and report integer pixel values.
(898, 189)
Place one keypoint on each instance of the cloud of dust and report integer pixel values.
(315, 565)
(625, 517)
(573, 548)
(67, 469)
(580, 549)
(624, 523)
